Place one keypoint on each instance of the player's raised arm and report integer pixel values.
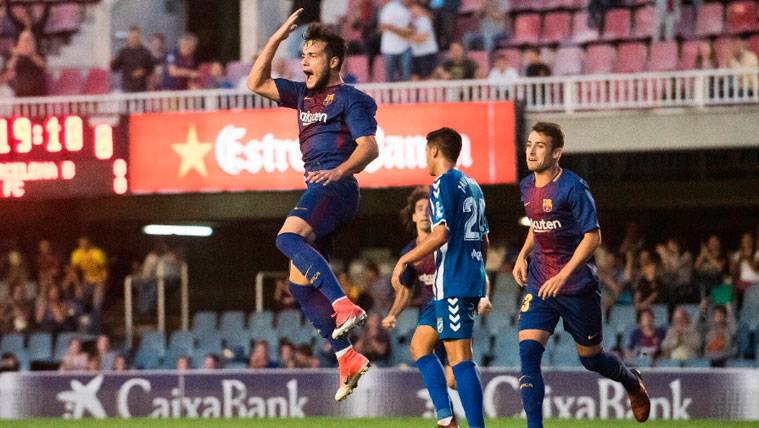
(520, 266)
(259, 79)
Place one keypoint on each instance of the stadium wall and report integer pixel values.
(676, 394)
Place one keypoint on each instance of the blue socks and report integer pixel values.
(531, 383)
(434, 379)
(470, 392)
(319, 311)
(311, 264)
(609, 365)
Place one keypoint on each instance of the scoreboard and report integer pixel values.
(62, 157)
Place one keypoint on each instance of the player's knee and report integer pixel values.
(591, 363)
(417, 350)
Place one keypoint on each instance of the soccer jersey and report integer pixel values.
(457, 202)
(329, 121)
(560, 213)
(421, 272)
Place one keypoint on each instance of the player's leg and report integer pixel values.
(430, 367)
(455, 319)
(537, 320)
(582, 319)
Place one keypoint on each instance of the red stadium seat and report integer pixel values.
(709, 19)
(98, 81)
(358, 65)
(64, 18)
(617, 24)
(581, 33)
(686, 26)
(526, 29)
(753, 44)
(741, 17)
(470, 6)
(663, 56)
(378, 69)
(645, 22)
(483, 61)
(525, 5)
(568, 61)
(599, 59)
(688, 55)
(66, 82)
(723, 47)
(631, 58)
(557, 27)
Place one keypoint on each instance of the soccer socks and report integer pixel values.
(319, 311)
(531, 383)
(609, 365)
(470, 392)
(311, 264)
(434, 379)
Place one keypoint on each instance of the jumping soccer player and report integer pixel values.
(560, 276)
(337, 127)
(459, 239)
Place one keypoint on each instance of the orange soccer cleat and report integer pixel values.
(347, 317)
(352, 366)
(639, 401)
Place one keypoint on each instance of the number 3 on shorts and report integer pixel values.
(526, 303)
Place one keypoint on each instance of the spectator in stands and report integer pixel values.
(158, 53)
(259, 358)
(492, 19)
(181, 67)
(91, 264)
(374, 341)
(503, 72)
(24, 18)
(611, 278)
(676, 273)
(744, 265)
(365, 20)
(304, 357)
(183, 364)
(286, 355)
(93, 363)
(73, 293)
(135, 62)
(706, 57)
(744, 58)
(445, 13)
(103, 351)
(9, 362)
(710, 265)
(667, 16)
(51, 313)
(379, 287)
(647, 283)
(217, 78)
(632, 241)
(74, 359)
(15, 270)
(683, 341)
(395, 25)
(48, 264)
(719, 340)
(120, 364)
(282, 296)
(16, 312)
(458, 66)
(424, 48)
(645, 341)
(211, 362)
(27, 67)
(535, 65)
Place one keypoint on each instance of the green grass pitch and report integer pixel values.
(351, 423)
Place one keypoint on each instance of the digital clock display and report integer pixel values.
(61, 157)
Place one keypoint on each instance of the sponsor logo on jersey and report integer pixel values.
(308, 118)
(540, 226)
(547, 205)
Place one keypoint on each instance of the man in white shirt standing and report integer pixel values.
(395, 25)
(424, 47)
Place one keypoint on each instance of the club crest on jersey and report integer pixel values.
(327, 101)
(440, 325)
(547, 205)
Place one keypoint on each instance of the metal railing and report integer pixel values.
(184, 301)
(693, 88)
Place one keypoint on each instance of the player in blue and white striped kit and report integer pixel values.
(459, 239)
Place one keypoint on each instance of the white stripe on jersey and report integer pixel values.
(440, 272)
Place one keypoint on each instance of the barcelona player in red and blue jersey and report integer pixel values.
(336, 130)
(560, 277)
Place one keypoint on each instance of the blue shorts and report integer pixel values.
(327, 208)
(427, 317)
(581, 315)
(455, 317)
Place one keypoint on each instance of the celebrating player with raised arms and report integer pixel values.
(336, 130)
(560, 275)
(459, 239)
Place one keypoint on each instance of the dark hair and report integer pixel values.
(135, 28)
(335, 45)
(419, 193)
(645, 311)
(447, 140)
(552, 131)
(720, 308)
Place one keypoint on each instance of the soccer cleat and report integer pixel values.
(347, 317)
(352, 366)
(639, 401)
(451, 424)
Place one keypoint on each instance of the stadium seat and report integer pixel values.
(741, 17)
(513, 57)
(599, 59)
(743, 364)
(209, 344)
(62, 344)
(231, 323)
(300, 335)
(525, 5)
(181, 344)
(709, 19)
(66, 82)
(258, 321)
(65, 17)
(506, 358)
(568, 61)
(507, 340)
(745, 338)
(358, 65)
(378, 69)
(663, 56)
(97, 82)
(631, 58)
(203, 321)
(557, 27)
(753, 44)
(288, 319)
(470, 6)
(665, 362)
(622, 317)
(698, 362)
(686, 26)
(406, 322)
(150, 351)
(400, 353)
(723, 47)
(617, 24)
(40, 347)
(238, 344)
(688, 54)
(581, 33)
(12, 342)
(497, 321)
(526, 29)
(645, 22)
(481, 58)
